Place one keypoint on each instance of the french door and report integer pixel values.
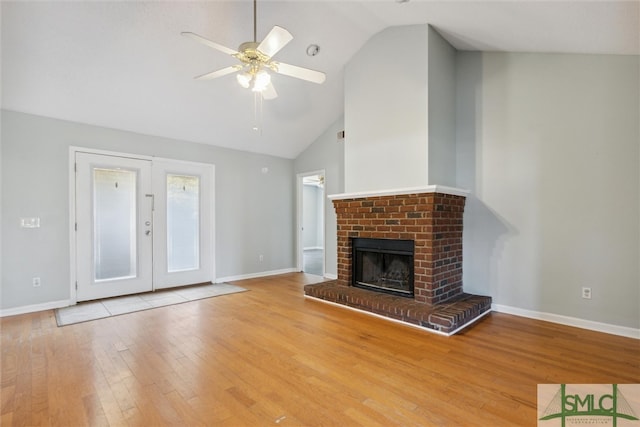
(183, 214)
(114, 221)
(141, 224)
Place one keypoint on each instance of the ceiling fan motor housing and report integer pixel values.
(248, 52)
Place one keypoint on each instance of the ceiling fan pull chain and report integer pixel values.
(261, 98)
(257, 112)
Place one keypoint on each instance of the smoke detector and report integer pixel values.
(313, 50)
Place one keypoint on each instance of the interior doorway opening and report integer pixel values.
(311, 206)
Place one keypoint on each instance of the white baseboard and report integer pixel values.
(569, 321)
(256, 275)
(14, 311)
(330, 276)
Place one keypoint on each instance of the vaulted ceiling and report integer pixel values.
(124, 65)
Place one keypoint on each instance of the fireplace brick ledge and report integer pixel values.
(446, 318)
(401, 191)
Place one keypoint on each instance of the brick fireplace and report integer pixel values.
(432, 218)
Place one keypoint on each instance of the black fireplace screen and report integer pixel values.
(384, 265)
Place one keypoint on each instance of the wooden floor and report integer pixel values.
(271, 357)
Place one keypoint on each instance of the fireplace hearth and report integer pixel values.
(400, 256)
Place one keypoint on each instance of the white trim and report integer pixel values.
(109, 153)
(73, 277)
(179, 162)
(33, 308)
(401, 191)
(213, 221)
(569, 321)
(433, 331)
(255, 275)
(331, 276)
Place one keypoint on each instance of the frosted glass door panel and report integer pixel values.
(114, 215)
(183, 223)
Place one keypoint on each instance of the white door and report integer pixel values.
(183, 218)
(114, 237)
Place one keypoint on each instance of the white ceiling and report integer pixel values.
(124, 65)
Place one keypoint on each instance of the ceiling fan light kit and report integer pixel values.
(257, 60)
(260, 81)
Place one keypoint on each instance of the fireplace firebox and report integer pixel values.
(384, 265)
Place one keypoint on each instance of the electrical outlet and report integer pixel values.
(36, 282)
(261, 257)
(586, 293)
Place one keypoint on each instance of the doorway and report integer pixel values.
(139, 224)
(311, 205)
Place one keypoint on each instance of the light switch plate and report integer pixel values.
(30, 222)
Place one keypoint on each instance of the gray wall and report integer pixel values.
(385, 112)
(254, 210)
(328, 154)
(549, 146)
(400, 111)
(441, 69)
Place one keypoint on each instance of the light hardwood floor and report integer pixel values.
(271, 357)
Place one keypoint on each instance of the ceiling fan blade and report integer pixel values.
(269, 92)
(299, 72)
(209, 43)
(277, 38)
(219, 73)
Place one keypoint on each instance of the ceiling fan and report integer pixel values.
(256, 60)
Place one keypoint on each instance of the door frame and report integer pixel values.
(73, 251)
(299, 219)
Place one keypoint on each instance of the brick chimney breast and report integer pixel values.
(433, 220)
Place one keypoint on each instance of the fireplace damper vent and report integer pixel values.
(383, 265)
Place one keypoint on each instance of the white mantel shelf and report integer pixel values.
(401, 191)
